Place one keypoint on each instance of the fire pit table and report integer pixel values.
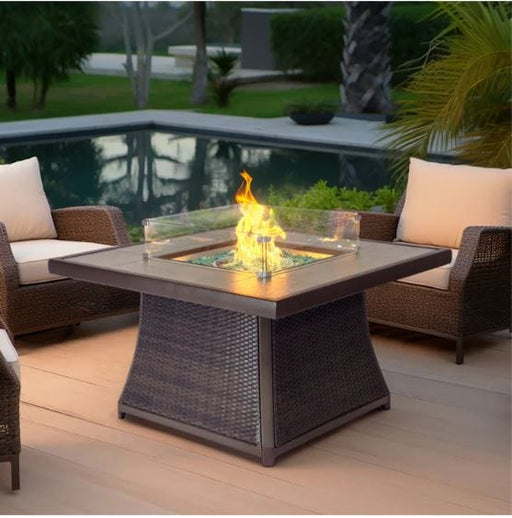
(259, 362)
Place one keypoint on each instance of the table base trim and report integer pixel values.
(267, 455)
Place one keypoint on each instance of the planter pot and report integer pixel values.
(311, 119)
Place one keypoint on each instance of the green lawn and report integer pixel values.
(89, 94)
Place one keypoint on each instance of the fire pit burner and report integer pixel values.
(208, 238)
(225, 258)
(249, 237)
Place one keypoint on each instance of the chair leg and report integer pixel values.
(459, 356)
(15, 472)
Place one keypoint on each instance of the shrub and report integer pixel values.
(310, 105)
(312, 39)
(321, 196)
(411, 36)
(136, 233)
(223, 64)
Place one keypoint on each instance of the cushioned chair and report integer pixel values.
(32, 299)
(468, 210)
(9, 405)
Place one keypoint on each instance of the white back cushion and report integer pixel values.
(443, 199)
(24, 209)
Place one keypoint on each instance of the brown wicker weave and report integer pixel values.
(478, 298)
(46, 305)
(252, 384)
(9, 417)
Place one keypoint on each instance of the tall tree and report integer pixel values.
(366, 64)
(44, 40)
(60, 36)
(199, 93)
(137, 29)
(13, 45)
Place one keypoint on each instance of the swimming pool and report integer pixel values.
(150, 173)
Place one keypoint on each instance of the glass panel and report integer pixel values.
(222, 238)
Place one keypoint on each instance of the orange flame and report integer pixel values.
(257, 221)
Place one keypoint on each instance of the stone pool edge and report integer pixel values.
(341, 132)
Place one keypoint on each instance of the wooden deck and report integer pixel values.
(443, 448)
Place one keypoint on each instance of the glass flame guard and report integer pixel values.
(210, 238)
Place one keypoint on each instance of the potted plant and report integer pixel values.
(311, 111)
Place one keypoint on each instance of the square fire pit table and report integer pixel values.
(259, 366)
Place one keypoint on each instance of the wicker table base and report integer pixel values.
(250, 383)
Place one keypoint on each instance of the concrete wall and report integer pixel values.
(255, 38)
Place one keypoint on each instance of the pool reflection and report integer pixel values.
(150, 174)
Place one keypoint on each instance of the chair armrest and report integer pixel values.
(9, 380)
(7, 351)
(9, 277)
(378, 226)
(483, 260)
(99, 224)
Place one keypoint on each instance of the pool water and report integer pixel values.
(153, 173)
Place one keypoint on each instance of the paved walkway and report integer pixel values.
(163, 67)
(281, 130)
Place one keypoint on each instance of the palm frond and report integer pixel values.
(462, 98)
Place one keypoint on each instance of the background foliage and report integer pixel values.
(223, 22)
(43, 41)
(321, 196)
(312, 40)
(463, 96)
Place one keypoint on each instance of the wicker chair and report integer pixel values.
(34, 307)
(9, 417)
(478, 297)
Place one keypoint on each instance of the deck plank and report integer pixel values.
(444, 448)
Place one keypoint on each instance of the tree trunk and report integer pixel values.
(10, 82)
(195, 194)
(45, 85)
(135, 18)
(366, 63)
(132, 75)
(200, 76)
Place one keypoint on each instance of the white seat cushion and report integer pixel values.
(436, 277)
(24, 209)
(443, 199)
(9, 352)
(32, 257)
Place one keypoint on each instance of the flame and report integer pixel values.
(257, 222)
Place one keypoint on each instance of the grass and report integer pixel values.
(90, 94)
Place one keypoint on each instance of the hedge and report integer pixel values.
(312, 39)
(309, 40)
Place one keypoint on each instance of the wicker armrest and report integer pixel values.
(483, 258)
(379, 226)
(8, 379)
(9, 278)
(103, 225)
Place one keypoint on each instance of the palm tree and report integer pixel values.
(366, 63)
(462, 98)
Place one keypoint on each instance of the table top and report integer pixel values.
(286, 293)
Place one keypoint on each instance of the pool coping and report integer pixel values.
(341, 132)
(346, 133)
